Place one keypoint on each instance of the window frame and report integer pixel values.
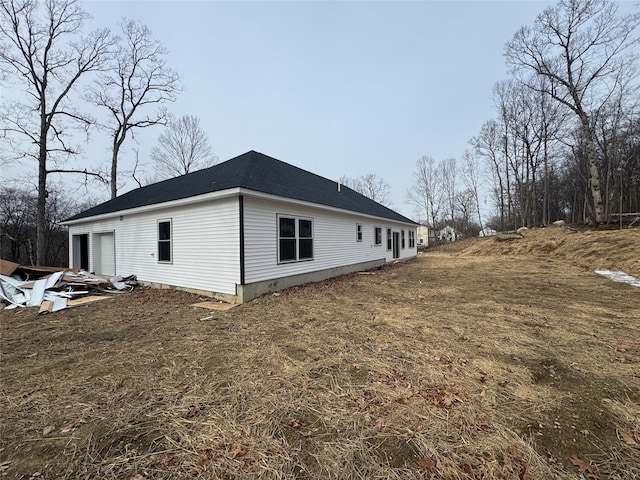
(412, 239)
(402, 240)
(358, 232)
(161, 241)
(389, 239)
(377, 236)
(297, 238)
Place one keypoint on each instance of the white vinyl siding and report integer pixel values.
(333, 243)
(205, 242)
(205, 245)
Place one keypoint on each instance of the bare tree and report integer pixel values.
(371, 186)
(449, 184)
(425, 194)
(582, 48)
(471, 175)
(138, 80)
(462, 223)
(182, 148)
(18, 224)
(488, 144)
(41, 48)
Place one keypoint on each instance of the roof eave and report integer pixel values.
(220, 195)
(230, 192)
(270, 196)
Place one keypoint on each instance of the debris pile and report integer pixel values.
(55, 291)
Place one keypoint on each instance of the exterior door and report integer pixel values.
(80, 247)
(396, 244)
(104, 258)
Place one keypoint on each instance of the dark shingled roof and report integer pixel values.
(253, 171)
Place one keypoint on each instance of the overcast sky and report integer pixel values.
(334, 87)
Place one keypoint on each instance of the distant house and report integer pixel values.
(426, 236)
(487, 232)
(239, 229)
(448, 234)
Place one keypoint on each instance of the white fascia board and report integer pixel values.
(231, 192)
(267, 196)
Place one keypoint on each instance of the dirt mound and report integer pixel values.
(610, 249)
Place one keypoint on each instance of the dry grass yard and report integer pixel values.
(484, 360)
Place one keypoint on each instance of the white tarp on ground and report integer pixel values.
(620, 277)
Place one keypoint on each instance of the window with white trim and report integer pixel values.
(412, 239)
(389, 241)
(377, 235)
(164, 241)
(295, 239)
(358, 232)
(402, 239)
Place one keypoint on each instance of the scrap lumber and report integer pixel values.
(85, 300)
(214, 305)
(57, 290)
(7, 268)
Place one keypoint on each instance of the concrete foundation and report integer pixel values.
(248, 292)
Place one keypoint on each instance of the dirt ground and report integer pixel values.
(483, 360)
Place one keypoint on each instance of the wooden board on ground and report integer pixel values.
(84, 300)
(214, 305)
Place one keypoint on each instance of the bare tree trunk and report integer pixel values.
(118, 139)
(596, 213)
(41, 220)
(545, 198)
(508, 180)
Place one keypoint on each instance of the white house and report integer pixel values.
(426, 236)
(448, 234)
(487, 232)
(234, 231)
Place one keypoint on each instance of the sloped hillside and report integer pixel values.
(610, 249)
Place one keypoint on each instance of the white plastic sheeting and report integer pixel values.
(618, 276)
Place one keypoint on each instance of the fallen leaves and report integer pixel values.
(584, 468)
(238, 451)
(295, 423)
(427, 463)
(628, 438)
(624, 360)
(443, 397)
(514, 451)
